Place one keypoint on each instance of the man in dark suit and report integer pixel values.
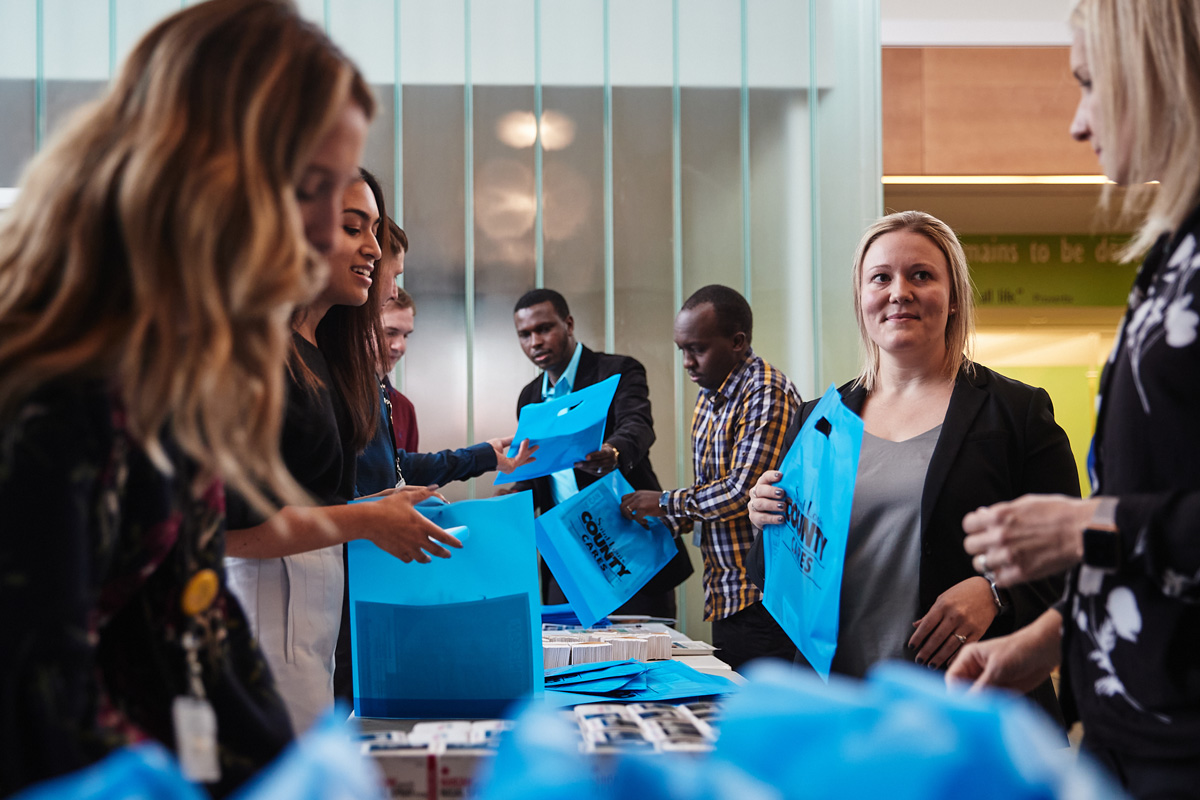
(546, 331)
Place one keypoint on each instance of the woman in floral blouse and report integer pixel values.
(1127, 632)
(148, 271)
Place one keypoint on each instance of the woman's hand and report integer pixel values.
(1032, 537)
(768, 502)
(961, 614)
(1019, 661)
(503, 462)
(429, 491)
(395, 526)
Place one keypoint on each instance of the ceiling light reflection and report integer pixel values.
(519, 129)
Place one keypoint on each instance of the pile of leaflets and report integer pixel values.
(645, 727)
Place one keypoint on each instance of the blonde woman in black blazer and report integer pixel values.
(997, 438)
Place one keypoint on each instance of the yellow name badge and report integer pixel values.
(200, 591)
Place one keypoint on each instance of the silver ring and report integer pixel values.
(981, 564)
(961, 639)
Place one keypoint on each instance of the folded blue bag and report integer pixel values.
(455, 638)
(599, 558)
(147, 771)
(323, 763)
(805, 555)
(582, 673)
(563, 616)
(565, 430)
(899, 734)
(653, 682)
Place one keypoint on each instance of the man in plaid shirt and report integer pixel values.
(744, 407)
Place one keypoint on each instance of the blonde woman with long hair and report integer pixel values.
(1126, 634)
(148, 272)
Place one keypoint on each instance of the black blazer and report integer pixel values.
(998, 441)
(629, 428)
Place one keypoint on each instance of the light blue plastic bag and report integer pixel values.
(322, 764)
(565, 430)
(147, 771)
(787, 735)
(456, 638)
(804, 556)
(599, 558)
(899, 735)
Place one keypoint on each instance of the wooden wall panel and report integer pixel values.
(903, 110)
(984, 111)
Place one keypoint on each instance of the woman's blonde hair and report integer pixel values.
(1144, 59)
(156, 243)
(960, 325)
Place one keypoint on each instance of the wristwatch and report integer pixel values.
(1101, 540)
(664, 501)
(1001, 606)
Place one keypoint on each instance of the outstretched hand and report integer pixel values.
(641, 504)
(1032, 537)
(395, 526)
(599, 462)
(506, 464)
(1019, 661)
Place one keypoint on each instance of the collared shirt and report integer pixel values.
(562, 483)
(737, 435)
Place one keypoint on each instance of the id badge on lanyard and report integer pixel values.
(193, 716)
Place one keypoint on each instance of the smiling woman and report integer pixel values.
(943, 435)
(352, 259)
(288, 569)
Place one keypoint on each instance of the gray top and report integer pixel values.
(883, 553)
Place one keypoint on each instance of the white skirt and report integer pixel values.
(294, 606)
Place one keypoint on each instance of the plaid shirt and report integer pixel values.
(737, 435)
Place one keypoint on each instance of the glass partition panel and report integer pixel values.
(19, 44)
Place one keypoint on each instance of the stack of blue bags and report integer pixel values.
(631, 682)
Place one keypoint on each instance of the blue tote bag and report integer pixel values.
(565, 430)
(805, 555)
(455, 638)
(599, 558)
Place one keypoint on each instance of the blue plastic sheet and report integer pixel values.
(599, 558)
(581, 673)
(652, 682)
(565, 429)
(562, 615)
(324, 763)
(456, 638)
(144, 772)
(899, 735)
(804, 556)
